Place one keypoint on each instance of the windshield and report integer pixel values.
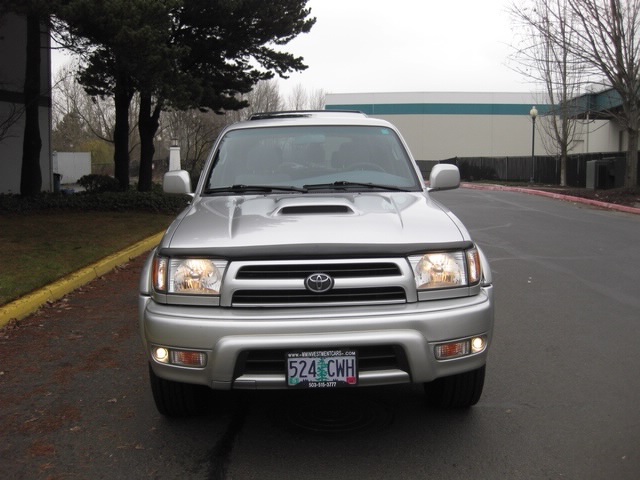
(305, 158)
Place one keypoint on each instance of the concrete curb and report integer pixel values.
(557, 196)
(19, 309)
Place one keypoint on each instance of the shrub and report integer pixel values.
(95, 183)
(131, 200)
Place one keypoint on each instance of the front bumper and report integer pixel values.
(225, 335)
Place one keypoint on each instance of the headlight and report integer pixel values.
(191, 276)
(446, 269)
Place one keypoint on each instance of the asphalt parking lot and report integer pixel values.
(560, 399)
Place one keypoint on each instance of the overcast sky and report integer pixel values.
(405, 46)
(408, 45)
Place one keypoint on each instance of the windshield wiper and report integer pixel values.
(241, 188)
(344, 184)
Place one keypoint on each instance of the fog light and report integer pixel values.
(183, 358)
(188, 359)
(161, 354)
(452, 350)
(478, 344)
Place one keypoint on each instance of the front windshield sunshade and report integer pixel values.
(310, 158)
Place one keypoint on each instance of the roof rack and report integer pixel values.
(303, 113)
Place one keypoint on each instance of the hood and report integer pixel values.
(366, 223)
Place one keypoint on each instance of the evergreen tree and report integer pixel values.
(119, 40)
(321, 374)
(179, 54)
(69, 134)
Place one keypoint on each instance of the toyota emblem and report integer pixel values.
(318, 282)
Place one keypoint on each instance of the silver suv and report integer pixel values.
(312, 256)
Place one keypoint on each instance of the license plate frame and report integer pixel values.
(330, 368)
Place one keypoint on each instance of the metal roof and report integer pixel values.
(603, 105)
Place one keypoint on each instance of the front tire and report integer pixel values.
(457, 391)
(176, 399)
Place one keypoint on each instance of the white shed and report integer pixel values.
(71, 165)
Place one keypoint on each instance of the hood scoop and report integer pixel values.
(315, 210)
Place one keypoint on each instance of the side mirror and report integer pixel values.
(177, 181)
(444, 177)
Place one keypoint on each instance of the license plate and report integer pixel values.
(322, 369)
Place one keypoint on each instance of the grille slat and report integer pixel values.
(346, 295)
(346, 270)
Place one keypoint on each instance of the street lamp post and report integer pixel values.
(534, 113)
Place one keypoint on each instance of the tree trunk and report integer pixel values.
(122, 99)
(631, 172)
(148, 123)
(31, 175)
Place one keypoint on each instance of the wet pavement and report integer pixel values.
(74, 396)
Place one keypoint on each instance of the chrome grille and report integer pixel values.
(346, 270)
(283, 283)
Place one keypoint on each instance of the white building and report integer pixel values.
(12, 73)
(71, 166)
(440, 126)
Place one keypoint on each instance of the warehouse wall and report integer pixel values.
(438, 126)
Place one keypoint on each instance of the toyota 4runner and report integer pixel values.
(312, 256)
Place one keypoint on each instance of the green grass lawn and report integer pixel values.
(39, 248)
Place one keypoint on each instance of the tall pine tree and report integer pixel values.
(179, 54)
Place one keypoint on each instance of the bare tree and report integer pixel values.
(69, 98)
(298, 98)
(265, 97)
(603, 36)
(608, 40)
(545, 55)
(317, 99)
(303, 99)
(82, 122)
(195, 132)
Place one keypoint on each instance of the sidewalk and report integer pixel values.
(25, 306)
(556, 196)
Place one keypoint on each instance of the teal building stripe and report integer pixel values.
(440, 108)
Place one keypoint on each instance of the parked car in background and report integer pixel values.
(313, 256)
